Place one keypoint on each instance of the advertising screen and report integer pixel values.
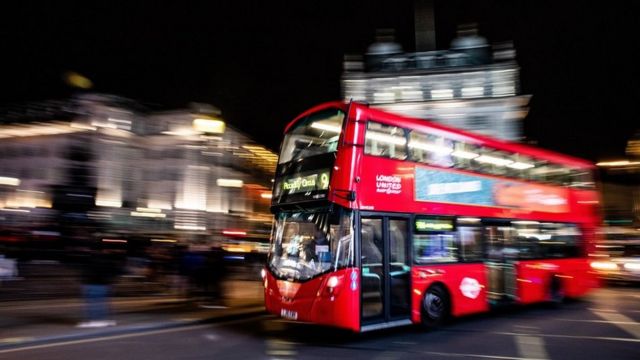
(453, 187)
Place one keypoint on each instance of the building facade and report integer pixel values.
(180, 175)
(470, 86)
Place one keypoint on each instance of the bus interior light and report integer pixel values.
(326, 127)
(525, 222)
(520, 166)
(389, 139)
(438, 149)
(464, 154)
(493, 160)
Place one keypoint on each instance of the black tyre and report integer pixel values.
(436, 307)
(556, 291)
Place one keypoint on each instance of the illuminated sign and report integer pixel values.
(305, 183)
(430, 224)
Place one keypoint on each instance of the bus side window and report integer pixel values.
(527, 247)
(436, 247)
(463, 156)
(431, 149)
(470, 243)
(563, 240)
(385, 141)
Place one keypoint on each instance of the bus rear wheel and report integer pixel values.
(436, 307)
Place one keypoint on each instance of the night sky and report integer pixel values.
(263, 63)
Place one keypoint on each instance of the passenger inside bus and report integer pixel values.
(320, 247)
(293, 239)
(371, 271)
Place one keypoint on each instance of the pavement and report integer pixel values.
(31, 322)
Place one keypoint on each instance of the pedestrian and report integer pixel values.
(98, 273)
(214, 277)
(192, 265)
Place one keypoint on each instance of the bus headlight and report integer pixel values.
(332, 287)
(263, 273)
(333, 282)
(632, 266)
(604, 265)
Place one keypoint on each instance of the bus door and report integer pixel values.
(501, 255)
(386, 280)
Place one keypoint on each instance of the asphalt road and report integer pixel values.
(605, 325)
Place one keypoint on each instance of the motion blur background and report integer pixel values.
(154, 130)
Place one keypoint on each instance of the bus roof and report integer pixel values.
(415, 123)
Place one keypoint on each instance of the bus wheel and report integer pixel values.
(556, 292)
(435, 306)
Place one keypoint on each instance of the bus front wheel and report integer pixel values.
(436, 306)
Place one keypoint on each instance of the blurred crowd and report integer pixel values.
(83, 256)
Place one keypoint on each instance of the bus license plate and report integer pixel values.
(289, 314)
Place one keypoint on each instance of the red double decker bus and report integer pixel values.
(383, 220)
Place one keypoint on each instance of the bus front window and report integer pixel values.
(314, 135)
(306, 244)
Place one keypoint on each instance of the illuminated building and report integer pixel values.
(620, 190)
(469, 86)
(182, 173)
(633, 146)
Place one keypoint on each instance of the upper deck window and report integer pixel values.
(315, 134)
(386, 141)
(443, 151)
(431, 149)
